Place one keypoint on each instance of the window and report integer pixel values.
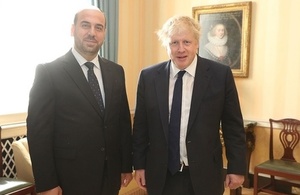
(32, 32)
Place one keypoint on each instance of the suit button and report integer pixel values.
(189, 141)
(102, 149)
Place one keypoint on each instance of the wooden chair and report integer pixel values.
(12, 186)
(286, 170)
(22, 160)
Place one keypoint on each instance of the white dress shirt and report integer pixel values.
(187, 91)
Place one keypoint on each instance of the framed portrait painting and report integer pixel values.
(225, 34)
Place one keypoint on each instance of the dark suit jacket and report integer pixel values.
(214, 100)
(68, 138)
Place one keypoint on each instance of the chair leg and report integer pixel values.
(255, 183)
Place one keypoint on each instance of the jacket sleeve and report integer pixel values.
(40, 129)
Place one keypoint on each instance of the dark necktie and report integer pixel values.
(95, 85)
(174, 126)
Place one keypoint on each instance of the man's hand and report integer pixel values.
(234, 181)
(54, 191)
(140, 178)
(126, 179)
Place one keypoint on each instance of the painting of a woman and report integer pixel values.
(217, 49)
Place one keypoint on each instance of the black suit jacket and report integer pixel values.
(69, 140)
(214, 101)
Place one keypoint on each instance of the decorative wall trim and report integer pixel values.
(12, 118)
(13, 130)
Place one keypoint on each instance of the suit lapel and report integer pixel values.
(162, 91)
(74, 70)
(201, 81)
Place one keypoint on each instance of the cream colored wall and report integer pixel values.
(272, 88)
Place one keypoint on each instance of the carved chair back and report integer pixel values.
(289, 137)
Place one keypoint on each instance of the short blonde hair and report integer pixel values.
(175, 25)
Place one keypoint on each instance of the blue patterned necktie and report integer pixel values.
(174, 126)
(95, 85)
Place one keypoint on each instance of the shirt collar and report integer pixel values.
(81, 60)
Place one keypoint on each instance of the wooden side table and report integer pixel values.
(250, 140)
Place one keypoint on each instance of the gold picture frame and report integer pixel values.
(232, 47)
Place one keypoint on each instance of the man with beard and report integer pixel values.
(79, 128)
